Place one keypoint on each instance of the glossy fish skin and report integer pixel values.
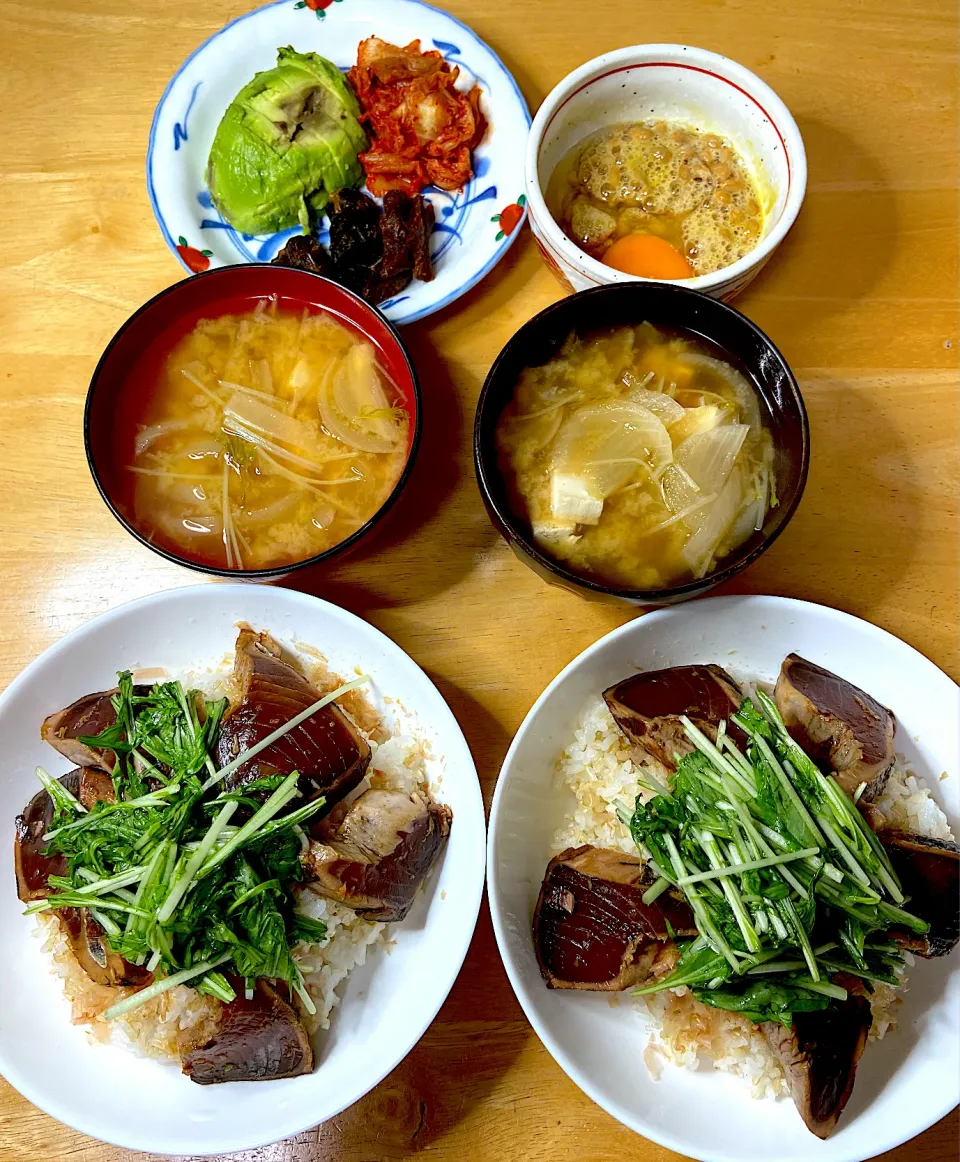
(591, 929)
(91, 714)
(819, 1055)
(840, 726)
(257, 1040)
(91, 947)
(96, 787)
(327, 749)
(31, 866)
(929, 872)
(379, 854)
(648, 706)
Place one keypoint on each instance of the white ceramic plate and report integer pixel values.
(110, 1093)
(472, 232)
(904, 1083)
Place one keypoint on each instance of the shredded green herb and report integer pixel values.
(788, 885)
(193, 883)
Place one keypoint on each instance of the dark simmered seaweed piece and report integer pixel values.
(373, 252)
(355, 237)
(406, 225)
(356, 243)
(304, 252)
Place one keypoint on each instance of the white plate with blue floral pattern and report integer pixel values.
(474, 226)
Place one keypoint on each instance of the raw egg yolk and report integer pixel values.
(647, 256)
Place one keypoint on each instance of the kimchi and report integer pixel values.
(422, 128)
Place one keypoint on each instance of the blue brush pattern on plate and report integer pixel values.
(458, 235)
(180, 127)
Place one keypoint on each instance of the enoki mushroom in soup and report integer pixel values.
(265, 437)
(639, 458)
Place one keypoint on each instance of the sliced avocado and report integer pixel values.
(287, 141)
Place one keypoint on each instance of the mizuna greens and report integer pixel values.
(186, 879)
(788, 884)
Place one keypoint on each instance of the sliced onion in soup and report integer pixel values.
(190, 525)
(323, 514)
(745, 392)
(539, 427)
(252, 413)
(261, 376)
(199, 450)
(699, 551)
(300, 376)
(708, 457)
(662, 406)
(606, 443)
(276, 510)
(354, 407)
(149, 434)
(681, 495)
(704, 418)
(190, 495)
(750, 518)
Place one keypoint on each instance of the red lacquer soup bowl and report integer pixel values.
(133, 360)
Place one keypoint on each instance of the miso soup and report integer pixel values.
(639, 458)
(263, 438)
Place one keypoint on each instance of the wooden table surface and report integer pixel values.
(861, 298)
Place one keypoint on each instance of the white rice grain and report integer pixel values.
(907, 804)
(598, 770)
(398, 763)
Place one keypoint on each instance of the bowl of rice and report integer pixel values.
(375, 987)
(697, 1080)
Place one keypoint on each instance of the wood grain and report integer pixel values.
(861, 298)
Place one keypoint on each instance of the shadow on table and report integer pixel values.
(531, 87)
(485, 735)
(475, 1040)
(829, 218)
(508, 279)
(855, 508)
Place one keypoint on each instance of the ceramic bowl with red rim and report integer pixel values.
(688, 86)
(133, 362)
